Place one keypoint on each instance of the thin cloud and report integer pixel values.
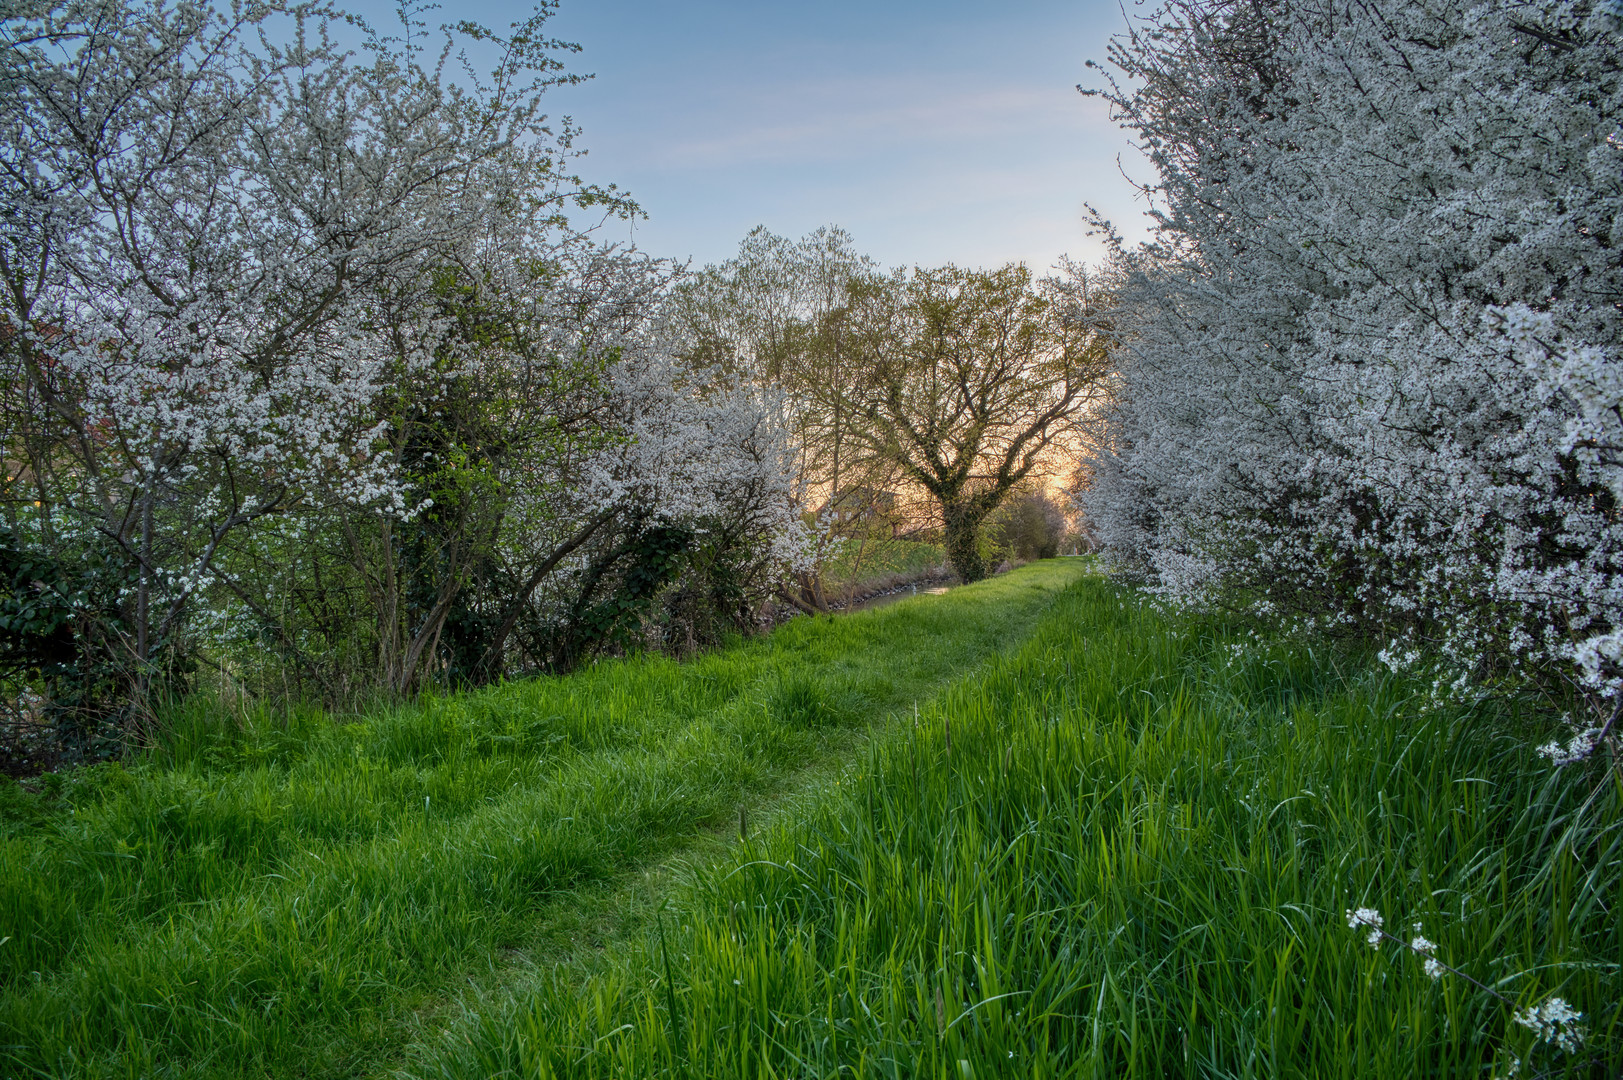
(811, 126)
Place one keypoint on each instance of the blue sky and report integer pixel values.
(932, 131)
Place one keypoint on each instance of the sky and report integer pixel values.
(933, 131)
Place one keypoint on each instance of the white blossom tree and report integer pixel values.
(776, 313)
(250, 275)
(1370, 364)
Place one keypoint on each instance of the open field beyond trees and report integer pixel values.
(1111, 843)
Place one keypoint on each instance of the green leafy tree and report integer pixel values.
(964, 381)
(776, 313)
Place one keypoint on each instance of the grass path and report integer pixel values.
(289, 896)
(583, 929)
(1124, 849)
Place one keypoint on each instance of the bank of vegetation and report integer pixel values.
(312, 390)
(357, 506)
(1370, 380)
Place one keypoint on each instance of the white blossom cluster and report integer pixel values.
(1358, 918)
(1581, 742)
(1554, 1021)
(697, 444)
(1370, 364)
(669, 440)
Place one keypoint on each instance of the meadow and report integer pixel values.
(289, 894)
(1031, 828)
(1125, 850)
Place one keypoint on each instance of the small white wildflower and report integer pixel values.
(1421, 945)
(1367, 917)
(1363, 916)
(1434, 967)
(1554, 1021)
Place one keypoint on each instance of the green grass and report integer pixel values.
(1125, 851)
(286, 895)
(860, 560)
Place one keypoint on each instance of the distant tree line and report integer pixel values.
(929, 397)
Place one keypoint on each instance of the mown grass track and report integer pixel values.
(281, 896)
(1125, 851)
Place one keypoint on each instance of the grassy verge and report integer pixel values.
(876, 557)
(1126, 850)
(280, 896)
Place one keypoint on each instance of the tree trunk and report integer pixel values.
(811, 590)
(420, 648)
(141, 692)
(963, 547)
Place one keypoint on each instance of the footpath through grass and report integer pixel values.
(1124, 851)
(281, 896)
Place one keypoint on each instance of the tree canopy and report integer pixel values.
(967, 382)
(1369, 374)
(306, 369)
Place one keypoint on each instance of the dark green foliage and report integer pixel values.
(65, 690)
(631, 573)
(714, 598)
(36, 613)
(452, 460)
